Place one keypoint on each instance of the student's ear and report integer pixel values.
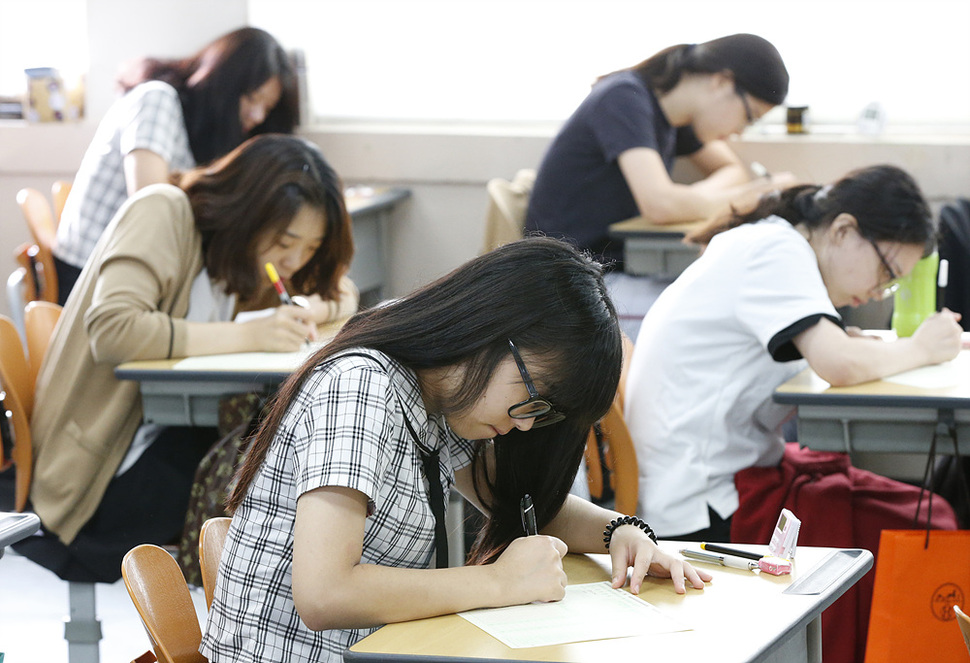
(843, 226)
(722, 80)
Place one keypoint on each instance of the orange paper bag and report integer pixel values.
(912, 616)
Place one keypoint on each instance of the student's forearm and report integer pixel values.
(372, 595)
(210, 338)
(580, 524)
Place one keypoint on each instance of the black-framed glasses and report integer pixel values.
(748, 113)
(535, 406)
(890, 286)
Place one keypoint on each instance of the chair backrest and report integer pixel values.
(40, 318)
(39, 216)
(617, 451)
(158, 590)
(43, 227)
(508, 203)
(212, 539)
(964, 621)
(15, 383)
(59, 191)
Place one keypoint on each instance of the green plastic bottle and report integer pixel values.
(915, 299)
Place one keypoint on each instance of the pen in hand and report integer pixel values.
(942, 280)
(528, 516)
(274, 277)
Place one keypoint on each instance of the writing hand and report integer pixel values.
(939, 336)
(531, 570)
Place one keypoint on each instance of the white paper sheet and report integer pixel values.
(938, 376)
(250, 361)
(593, 611)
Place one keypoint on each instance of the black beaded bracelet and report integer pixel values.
(627, 520)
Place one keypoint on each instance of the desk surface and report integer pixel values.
(364, 199)
(640, 227)
(735, 603)
(807, 388)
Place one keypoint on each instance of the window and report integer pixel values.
(41, 33)
(533, 60)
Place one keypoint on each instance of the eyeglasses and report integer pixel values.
(534, 407)
(748, 113)
(888, 287)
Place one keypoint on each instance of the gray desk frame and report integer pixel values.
(864, 419)
(370, 213)
(653, 250)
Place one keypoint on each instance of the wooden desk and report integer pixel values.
(370, 208)
(740, 616)
(880, 416)
(654, 250)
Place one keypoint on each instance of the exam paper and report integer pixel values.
(593, 611)
(250, 361)
(938, 376)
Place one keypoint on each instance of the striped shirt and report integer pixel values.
(345, 428)
(149, 117)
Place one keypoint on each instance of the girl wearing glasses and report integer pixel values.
(486, 381)
(613, 159)
(749, 314)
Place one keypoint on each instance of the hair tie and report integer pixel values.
(822, 195)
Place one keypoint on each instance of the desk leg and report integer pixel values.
(83, 630)
(813, 637)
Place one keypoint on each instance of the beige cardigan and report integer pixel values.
(128, 304)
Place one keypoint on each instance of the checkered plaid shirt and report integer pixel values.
(345, 428)
(149, 117)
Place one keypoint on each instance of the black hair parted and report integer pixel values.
(549, 298)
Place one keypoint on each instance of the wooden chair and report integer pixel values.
(212, 539)
(618, 452)
(158, 590)
(964, 621)
(508, 203)
(43, 227)
(18, 402)
(40, 318)
(59, 191)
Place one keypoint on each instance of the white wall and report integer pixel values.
(446, 166)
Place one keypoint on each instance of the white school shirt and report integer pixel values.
(708, 357)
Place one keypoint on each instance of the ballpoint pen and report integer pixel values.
(721, 560)
(528, 516)
(759, 170)
(942, 279)
(278, 284)
(724, 550)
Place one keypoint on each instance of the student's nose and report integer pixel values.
(257, 114)
(524, 424)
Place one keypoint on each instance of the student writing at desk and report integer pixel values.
(749, 314)
(612, 159)
(174, 114)
(486, 381)
(163, 282)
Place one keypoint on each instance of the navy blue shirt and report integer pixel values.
(579, 189)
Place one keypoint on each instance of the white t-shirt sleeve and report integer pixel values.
(782, 292)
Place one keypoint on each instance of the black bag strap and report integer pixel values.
(430, 463)
(945, 426)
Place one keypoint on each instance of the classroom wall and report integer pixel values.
(445, 166)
